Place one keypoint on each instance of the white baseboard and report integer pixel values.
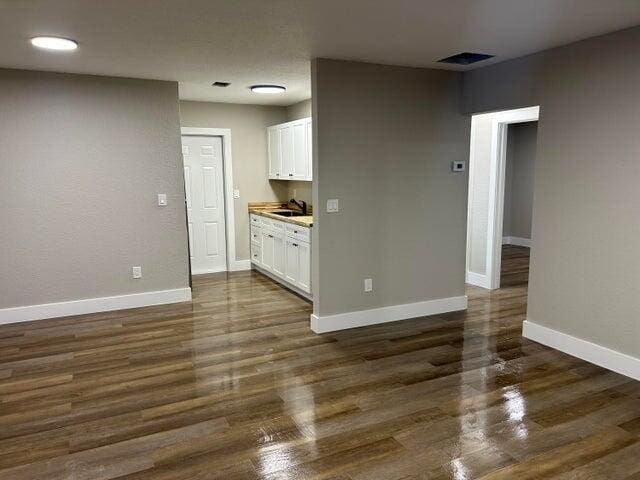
(93, 305)
(240, 265)
(342, 321)
(282, 282)
(478, 280)
(583, 349)
(207, 271)
(519, 241)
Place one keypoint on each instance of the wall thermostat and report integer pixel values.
(458, 166)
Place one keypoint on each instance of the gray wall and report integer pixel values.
(300, 190)
(81, 161)
(584, 259)
(385, 140)
(519, 179)
(248, 124)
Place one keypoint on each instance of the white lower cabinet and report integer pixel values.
(278, 255)
(284, 250)
(304, 262)
(267, 250)
(298, 267)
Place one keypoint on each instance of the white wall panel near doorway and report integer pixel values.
(204, 190)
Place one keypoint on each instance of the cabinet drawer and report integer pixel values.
(277, 226)
(298, 232)
(256, 253)
(255, 234)
(266, 222)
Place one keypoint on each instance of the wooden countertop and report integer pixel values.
(267, 209)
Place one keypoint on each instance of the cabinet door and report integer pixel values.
(275, 156)
(304, 266)
(309, 150)
(267, 250)
(286, 152)
(256, 254)
(291, 262)
(278, 255)
(299, 150)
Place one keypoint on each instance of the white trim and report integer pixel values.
(230, 224)
(240, 265)
(342, 321)
(282, 281)
(207, 271)
(93, 305)
(478, 280)
(583, 349)
(497, 167)
(519, 241)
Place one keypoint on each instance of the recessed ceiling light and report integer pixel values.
(268, 89)
(54, 43)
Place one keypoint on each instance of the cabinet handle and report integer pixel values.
(291, 174)
(270, 236)
(295, 244)
(295, 231)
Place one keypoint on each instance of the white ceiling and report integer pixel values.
(248, 42)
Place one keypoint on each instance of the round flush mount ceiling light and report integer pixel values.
(54, 43)
(268, 89)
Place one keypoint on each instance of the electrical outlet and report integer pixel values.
(295, 192)
(368, 285)
(162, 199)
(236, 193)
(136, 272)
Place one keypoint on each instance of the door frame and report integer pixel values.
(227, 167)
(497, 172)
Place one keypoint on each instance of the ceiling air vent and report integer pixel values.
(466, 58)
(220, 84)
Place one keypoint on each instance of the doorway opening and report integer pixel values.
(501, 167)
(208, 189)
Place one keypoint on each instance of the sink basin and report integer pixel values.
(289, 213)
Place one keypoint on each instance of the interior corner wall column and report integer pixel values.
(82, 161)
(585, 204)
(385, 138)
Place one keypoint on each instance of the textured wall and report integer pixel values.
(519, 179)
(81, 161)
(386, 153)
(584, 259)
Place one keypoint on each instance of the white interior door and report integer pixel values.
(204, 190)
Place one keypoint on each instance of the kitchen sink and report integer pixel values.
(289, 213)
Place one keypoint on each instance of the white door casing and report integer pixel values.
(204, 191)
(493, 218)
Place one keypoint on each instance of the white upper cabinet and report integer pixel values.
(290, 150)
(275, 158)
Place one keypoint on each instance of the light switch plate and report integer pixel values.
(162, 199)
(368, 285)
(333, 205)
(458, 166)
(236, 193)
(136, 272)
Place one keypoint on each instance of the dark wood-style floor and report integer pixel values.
(235, 386)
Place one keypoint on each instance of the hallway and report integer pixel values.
(234, 385)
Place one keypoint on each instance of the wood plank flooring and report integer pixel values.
(234, 385)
